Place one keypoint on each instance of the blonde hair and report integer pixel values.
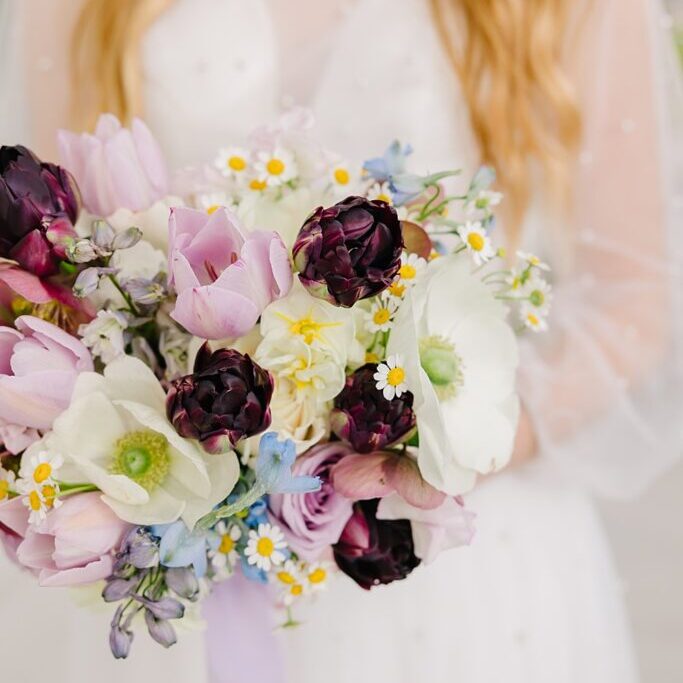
(521, 103)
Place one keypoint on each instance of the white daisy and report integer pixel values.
(291, 582)
(390, 377)
(213, 201)
(317, 575)
(265, 546)
(7, 480)
(412, 265)
(40, 500)
(39, 469)
(276, 167)
(382, 314)
(539, 295)
(533, 319)
(226, 556)
(533, 260)
(483, 202)
(233, 162)
(343, 178)
(380, 192)
(477, 242)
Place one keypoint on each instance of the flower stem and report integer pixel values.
(126, 297)
(244, 501)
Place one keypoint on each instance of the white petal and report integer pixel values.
(161, 508)
(129, 379)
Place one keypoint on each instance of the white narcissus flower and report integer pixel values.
(460, 358)
(115, 435)
(104, 335)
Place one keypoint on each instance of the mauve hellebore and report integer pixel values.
(225, 399)
(373, 551)
(350, 251)
(39, 203)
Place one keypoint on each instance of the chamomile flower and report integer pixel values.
(291, 581)
(265, 546)
(275, 168)
(39, 469)
(7, 480)
(40, 500)
(391, 377)
(533, 319)
(483, 202)
(477, 242)
(533, 260)
(412, 265)
(233, 162)
(213, 201)
(380, 192)
(317, 576)
(382, 314)
(226, 556)
(343, 178)
(539, 294)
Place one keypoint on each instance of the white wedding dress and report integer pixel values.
(535, 598)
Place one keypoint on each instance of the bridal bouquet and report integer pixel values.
(282, 366)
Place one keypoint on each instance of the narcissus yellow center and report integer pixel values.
(476, 241)
(237, 163)
(341, 176)
(307, 327)
(275, 167)
(143, 457)
(265, 547)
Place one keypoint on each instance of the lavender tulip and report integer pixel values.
(224, 277)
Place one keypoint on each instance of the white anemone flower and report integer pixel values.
(460, 357)
(115, 435)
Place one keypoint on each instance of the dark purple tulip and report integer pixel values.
(373, 551)
(225, 399)
(39, 203)
(350, 251)
(365, 419)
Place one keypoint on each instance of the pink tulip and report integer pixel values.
(223, 276)
(74, 544)
(13, 525)
(116, 167)
(39, 364)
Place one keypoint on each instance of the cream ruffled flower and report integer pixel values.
(460, 357)
(115, 435)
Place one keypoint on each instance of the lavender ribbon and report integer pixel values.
(241, 642)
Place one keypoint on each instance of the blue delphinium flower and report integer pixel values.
(392, 163)
(180, 547)
(252, 572)
(274, 467)
(258, 513)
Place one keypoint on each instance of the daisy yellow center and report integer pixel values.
(397, 289)
(537, 297)
(533, 320)
(384, 198)
(275, 167)
(381, 316)
(237, 163)
(49, 495)
(396, 376)
(258, 185)
(317, 575)
(143, 457)
(442, 365)
(286, 577)
(407, 271)
(42, 472)
(34, 501)
(476, 241)
(371, 357)
(296, 589)
(213, 208)
(342, 176)
(265, 547)
(227, 544)
(4, 489)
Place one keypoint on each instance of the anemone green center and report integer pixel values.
(442, 365)
(143, 457)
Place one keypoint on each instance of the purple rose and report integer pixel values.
(350, 251)
(313, 521)
(373, 551)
